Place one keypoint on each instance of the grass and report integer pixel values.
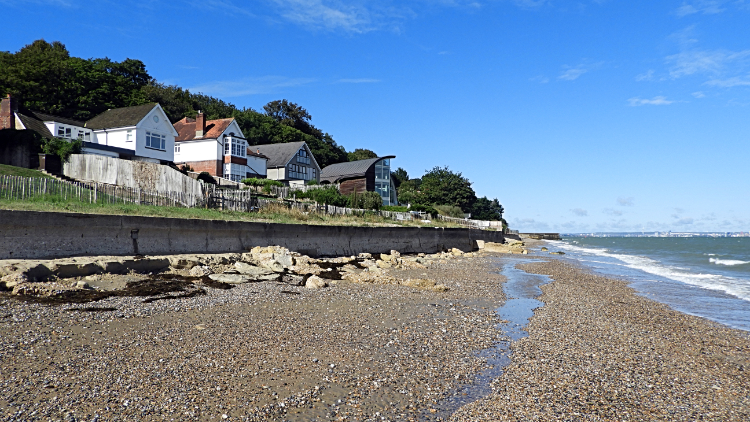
(271, 214)
(20, 171)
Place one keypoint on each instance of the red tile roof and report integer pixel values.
(214, 128)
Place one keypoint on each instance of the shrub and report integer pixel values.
(185, 169)
(424, 208)
(329, 195)
(207, 178)
(449, 210)
(62, 147)
(395, 208)
(253, 181)
(365, 200)
(312, 183)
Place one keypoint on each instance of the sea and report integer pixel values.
(703, 276)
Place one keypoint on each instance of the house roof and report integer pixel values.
(250, 152)
(336, 172)
(31, 122)
(120, 117)
(51, 118)
(279, 154)
(214, 128)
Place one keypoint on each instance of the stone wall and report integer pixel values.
(42, 235)
(131, 174)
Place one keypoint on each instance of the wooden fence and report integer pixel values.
(30, 188)
(19, 188)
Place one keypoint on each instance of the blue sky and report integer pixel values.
(591, 115)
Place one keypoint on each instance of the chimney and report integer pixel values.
(8, 108)
(200, 125)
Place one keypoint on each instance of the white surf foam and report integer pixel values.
(730, 262)
(733, 286)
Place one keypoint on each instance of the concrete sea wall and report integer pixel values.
(44, 235)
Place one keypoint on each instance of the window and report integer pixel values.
(129, 136)
(176, 148)
(303, 156)
(64, 132)
(314, 174)
(234, 172)
(156, 141)
(84, 135)
(237, 147)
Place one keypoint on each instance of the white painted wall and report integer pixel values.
(117, 137)
(75, 131)
(257, 165)
(199, 150)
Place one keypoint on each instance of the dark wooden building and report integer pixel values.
(371, 175)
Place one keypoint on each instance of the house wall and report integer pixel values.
(257, 165)
(39, 235)
(212, 167)
(349, 186)
(200, 150)
(117, 138)
(164, 127)
(75, 131)
(276, 174)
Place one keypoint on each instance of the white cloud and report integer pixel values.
(648, 76)
(541, 79)
(358, 81)
(580, 212)
(698, 94)
(706, 7)
(626, 201)
(729, 82)
(573, 73)
(658, 100)
(250, 86)
(714, 62)
(226, 6)
(330, 15)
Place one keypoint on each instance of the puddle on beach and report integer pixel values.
(521, 289)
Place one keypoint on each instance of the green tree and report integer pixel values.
(485, 209)
(361, 154)
(440, 186)
(399, 176)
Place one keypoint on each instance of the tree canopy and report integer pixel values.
(47, 79)
(361, 154)
(441, 186)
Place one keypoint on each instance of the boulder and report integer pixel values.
(286, 260)
(293, 279)
(544, 249)
(200, 271)
(364, 255)
(252, 270)
(231, 278)
(457, 252)
(385, 257)
(183, 262)
(480, 244)
(395, 254)
(315, 282)
(71, 270)
(384, 264)
(82, 285)
(557, 253)
(272, 265)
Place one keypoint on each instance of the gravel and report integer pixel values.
(598, 352)
(258, 351)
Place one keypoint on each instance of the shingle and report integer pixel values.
(50, 118)
(120, 117)
(336, 172)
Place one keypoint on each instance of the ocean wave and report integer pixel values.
(733, 286)
(729, 262)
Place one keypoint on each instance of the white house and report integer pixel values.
(217, 147)
(140, 132)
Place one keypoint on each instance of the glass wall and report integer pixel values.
(383, 180)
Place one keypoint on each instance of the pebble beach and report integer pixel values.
(372, 352)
